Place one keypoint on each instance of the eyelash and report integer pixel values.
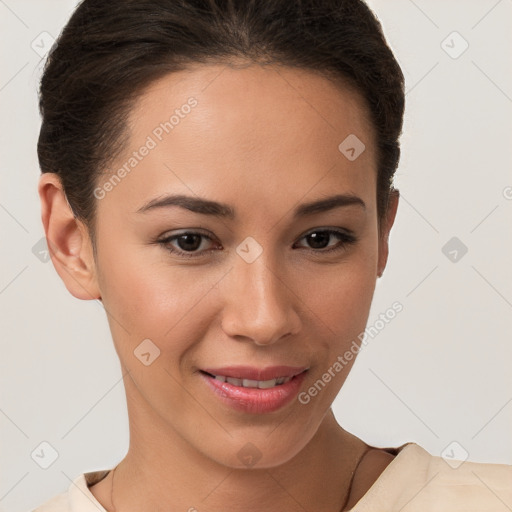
(346, 240)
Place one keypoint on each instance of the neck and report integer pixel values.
(162, 472)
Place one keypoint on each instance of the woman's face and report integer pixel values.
(257, 283)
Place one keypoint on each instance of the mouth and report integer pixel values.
(254, 390)
(249, 383)
(252, 377)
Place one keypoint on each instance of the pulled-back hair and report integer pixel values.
(109, 51)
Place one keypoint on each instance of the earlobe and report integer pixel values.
(68, 240)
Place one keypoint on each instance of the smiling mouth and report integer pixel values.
(249, 383)
(253, 390)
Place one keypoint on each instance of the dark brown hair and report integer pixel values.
(109, 51)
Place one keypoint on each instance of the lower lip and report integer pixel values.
(255, 400)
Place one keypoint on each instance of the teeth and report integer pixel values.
(248, 383)
(265, 384)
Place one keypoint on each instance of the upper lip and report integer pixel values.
(252, 373)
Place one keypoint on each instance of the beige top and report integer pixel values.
(414, 481)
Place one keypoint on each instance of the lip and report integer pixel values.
(253, 373)
(255, 400)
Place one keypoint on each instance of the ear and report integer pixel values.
(394, 196)
(68, 241)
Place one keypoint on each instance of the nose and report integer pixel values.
(259, 305)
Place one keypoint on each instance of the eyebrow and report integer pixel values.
(216, 209)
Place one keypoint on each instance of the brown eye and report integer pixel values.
(185, 244)
(319, 239)
(189, 241)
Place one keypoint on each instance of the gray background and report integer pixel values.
(438, 373)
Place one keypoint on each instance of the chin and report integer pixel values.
(261, 450)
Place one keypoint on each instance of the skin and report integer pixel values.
(263, 140)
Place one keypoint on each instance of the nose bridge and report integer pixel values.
(259, 304)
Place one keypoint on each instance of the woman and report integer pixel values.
(267, 133)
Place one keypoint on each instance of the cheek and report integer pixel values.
(341, 295)
(145, 298)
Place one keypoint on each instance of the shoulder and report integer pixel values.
(369, 469)
(58, 503)
(77, 497)
(417, 481)
(476, 485)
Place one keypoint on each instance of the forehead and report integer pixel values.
(263, 95)
(221, 131)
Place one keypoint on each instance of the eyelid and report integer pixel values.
(337, 229)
